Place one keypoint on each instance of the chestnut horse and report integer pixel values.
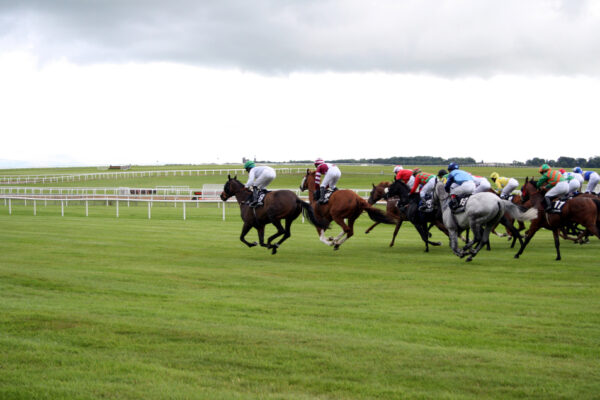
(581, 209)
(278, 205)
(342, 204)
(379, 192)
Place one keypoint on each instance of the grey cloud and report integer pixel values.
(448, 38)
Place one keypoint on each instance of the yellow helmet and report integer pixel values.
(494, 176)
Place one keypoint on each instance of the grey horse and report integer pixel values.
(482, 212)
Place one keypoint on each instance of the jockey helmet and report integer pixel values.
(318, 162)
(578, 170)
(452, 166)
(442, 172)
(494, 176)
(248, 165)
(562, 170)
(397, 168)
(544, 168)
(416, 171)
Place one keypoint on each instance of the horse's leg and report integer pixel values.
(280, 231)
(349, 232)
(533, 228)
(322, 237)
(556, 243)
(371, 227)
(398, 225)
(245, 229)
(287, 231)
(485, 239)
(261, 235)
(453, 236)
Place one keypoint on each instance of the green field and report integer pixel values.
(130, 308)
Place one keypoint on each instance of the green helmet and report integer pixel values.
(544, 168)
(249, 164)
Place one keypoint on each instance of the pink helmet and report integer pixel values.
(318, 162)
(397, 168)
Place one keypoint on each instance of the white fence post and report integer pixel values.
(34, 208)
(224, 203)
(86, 208)
(9, 207)
(149, 213)
(62, 208)
(184, 210)
(117, 208)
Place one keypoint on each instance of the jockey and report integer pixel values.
(572, 180)
(555, 181)
(460, 183)
(481, 184)
(443, 176)
(406, 175)
(258, 180)
(332, 174)
(504, 185)
(591, 177)
(426, 182)
(397, 168)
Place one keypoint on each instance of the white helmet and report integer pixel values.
(397, 168)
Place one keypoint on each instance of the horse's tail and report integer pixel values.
(376, 214)
(520, 213)
(308, 211)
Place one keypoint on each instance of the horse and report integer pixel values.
(379, 192)
(416, 217)
(278, 205)
(342, 204)
(583, 210)
(482, 212)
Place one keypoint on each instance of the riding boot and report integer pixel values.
(325, 198)
(254, 201)
(453, 202)
(547, 204)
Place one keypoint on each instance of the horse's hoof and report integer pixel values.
(436, 243)
(470, 259)
(274, 251)
(336, 247)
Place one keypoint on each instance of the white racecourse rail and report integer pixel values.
(25, 179)
(93, 196)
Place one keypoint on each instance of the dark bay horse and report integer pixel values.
(278, 205)
(418, 219)
(583, 210)
(342, 204)
(379, 192)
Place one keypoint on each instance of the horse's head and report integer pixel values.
(231, 188)
(529, 188)
(400, 189)
(378, 192)
(308, 180)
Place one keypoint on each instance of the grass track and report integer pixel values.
(101, 307)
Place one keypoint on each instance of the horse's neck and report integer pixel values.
(241, 195)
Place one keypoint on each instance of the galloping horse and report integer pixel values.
(482, 212)
(342, 204)
(418, 219)
(278, 205)
(582, 209)
(379, 192)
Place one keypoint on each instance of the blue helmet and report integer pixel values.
(578, 170)
(452, 166)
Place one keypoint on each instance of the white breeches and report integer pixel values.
(592, 183)
(561, 188)
(510, 186)
(263, 180)
(331, 177)
(467, 187)
(482, 185)
(574, 185)
(427, 188)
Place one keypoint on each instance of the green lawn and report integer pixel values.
(132, 308)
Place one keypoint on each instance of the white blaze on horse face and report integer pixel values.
(386, 190)
(302, 184)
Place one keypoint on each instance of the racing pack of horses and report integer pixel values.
(577, 219)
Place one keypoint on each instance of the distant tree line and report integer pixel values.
(592, 162)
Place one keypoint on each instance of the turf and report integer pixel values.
(129, 308)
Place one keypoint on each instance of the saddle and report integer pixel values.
(257, 198)
(559, 203)
(426, 205)
(457, 205)
(325, 198)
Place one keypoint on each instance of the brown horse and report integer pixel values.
(581, 210)
(278, 205)
(342, 204)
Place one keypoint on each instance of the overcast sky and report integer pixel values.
(146, 82)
